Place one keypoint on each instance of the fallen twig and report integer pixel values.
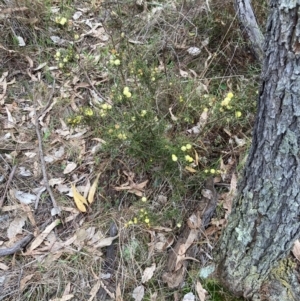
(7, 185)
(21, 243)
(17, 246)
(56, 209)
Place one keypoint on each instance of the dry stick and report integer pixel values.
(41, 153)
(22, 243)
(17, 246)
(7, 184)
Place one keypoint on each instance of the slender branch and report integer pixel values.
(7, 185)
(41, 153)
(17, 246)
(22, 243)
(248, 20)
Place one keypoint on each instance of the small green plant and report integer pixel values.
(217, 292)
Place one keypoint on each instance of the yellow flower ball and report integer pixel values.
(128, 94)
(63, 21)
(117, 62)
(183, 148)
(230, 95)
(174, 158)
(238, 114)
(212, 171)
(122, 136)
(189, 158)
(147, 220)
(188, 146)
(88, 112)
(225, 102)
(144, 199)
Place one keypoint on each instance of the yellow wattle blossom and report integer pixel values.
(225, 102)
(183, 148)
(126, 92)
(147, 220)
(212, 171)
(188, 146)
(189, 158)
(144, 199)
(174, 158)
(229, 95)
(117, 62)
(102, 113)
(135, 220)
(77, 119)
(238, 114)
(61, 21)
(122, 136)
(143, 113)
(88, 112)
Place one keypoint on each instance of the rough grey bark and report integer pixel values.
(265, 220)
(247, 18)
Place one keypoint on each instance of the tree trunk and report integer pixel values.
(265, 220)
